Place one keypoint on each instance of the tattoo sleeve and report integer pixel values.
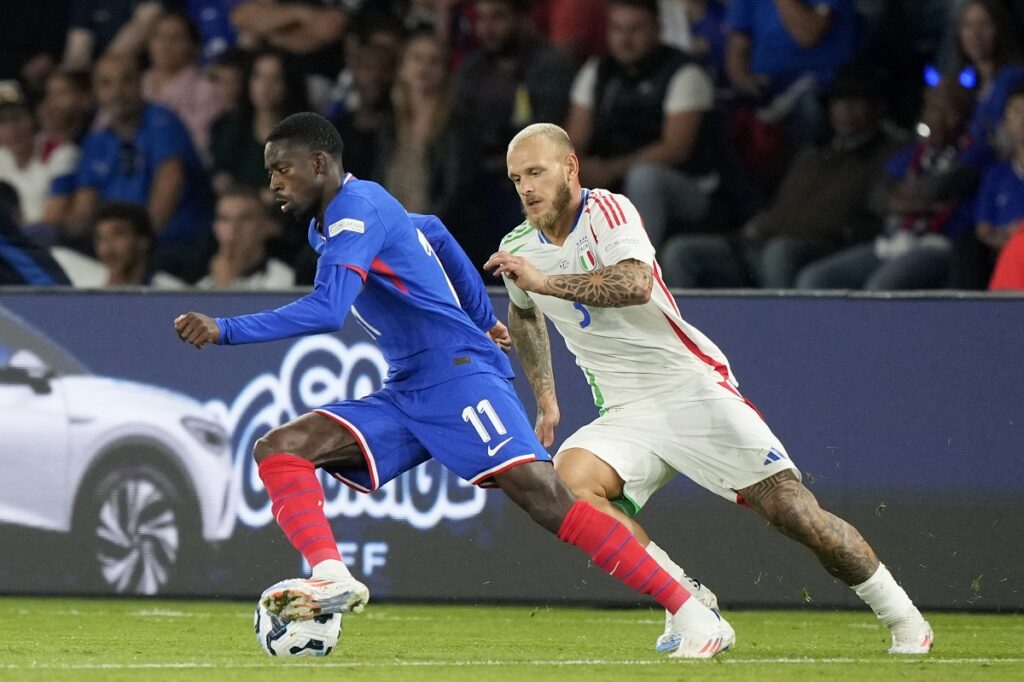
(530, 338)
(626, 283)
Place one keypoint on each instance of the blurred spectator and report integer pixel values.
(988, 58)
(926, 208)
(779, 56)
(67, 108)
(578, 27)
(775, 43)
(642, 123)
(275, 90)
(123, 241)
(708, 32)
(364, 128)
(311, 30)
(118, 26)
(1009, 271)
(227, 75)
(22, 261)
(213, 20)
(514, 79)
(27, 162)
(424, 168)
(242, 228)
(380, 30)
(1000, 204)
(823, 205)
(174, 78)
(144, 156)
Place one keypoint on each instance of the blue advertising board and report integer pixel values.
(126, 464)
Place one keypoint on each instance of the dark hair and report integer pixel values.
(235, 58)
(1007, 47)
(295, 97)
(133, 214)
(650, 6)
(190, 26)
(311, 130)
(80, 79)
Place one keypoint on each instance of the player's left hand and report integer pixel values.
(197, 329)
(499, 334)
(519, 270)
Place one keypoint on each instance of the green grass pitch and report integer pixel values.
(143, 640)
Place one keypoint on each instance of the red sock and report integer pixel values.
(297, 501)
(616, 552)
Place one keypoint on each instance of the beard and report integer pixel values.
(544, 223)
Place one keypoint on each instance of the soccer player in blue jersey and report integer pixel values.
(448, 393)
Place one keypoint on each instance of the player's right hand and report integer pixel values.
(547, 420)
(500, 336)
(197, 329)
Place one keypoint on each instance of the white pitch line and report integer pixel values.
(493, 663)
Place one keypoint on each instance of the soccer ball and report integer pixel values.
(279, 637)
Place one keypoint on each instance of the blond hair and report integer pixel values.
(554, 134)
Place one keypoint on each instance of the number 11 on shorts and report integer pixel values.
(469, 414)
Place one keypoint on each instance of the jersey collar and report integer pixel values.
(584, 193)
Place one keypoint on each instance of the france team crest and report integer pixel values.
(586, 255)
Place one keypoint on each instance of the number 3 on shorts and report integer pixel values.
(469, 414)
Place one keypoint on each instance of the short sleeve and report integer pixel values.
(519, 298)
(582, 94)
(619, 230)
(354, 232)
(169, 139)
(739, 16)
(690, 89)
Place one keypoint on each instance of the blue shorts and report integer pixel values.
(474, 425)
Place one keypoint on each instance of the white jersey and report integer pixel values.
(630, 353)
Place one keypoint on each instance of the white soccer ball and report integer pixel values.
(279, 637)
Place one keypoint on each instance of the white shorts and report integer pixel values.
(710, 435)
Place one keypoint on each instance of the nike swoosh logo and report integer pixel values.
(491, 452)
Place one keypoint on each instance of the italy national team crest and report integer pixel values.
(586, 255)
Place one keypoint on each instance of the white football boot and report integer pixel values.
(911, 637)
(669, 641)
(306, 598)
(699, 632)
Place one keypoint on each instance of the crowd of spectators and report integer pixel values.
(812, 144)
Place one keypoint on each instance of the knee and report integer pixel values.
(579, 484)
(277, 440)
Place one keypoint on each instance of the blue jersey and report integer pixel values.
(406, 302)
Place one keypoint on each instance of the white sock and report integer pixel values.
(331, 569)
(663, 560)
(887, 599)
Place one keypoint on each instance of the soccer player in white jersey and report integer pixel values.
(667, 398)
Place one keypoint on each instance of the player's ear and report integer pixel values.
(572, 166)
(321, 163)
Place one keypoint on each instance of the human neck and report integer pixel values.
(131, 274)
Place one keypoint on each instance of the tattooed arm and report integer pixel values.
(530, 338)
(626, 283)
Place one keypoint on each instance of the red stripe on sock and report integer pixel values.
(297, 501)
(616, 551)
